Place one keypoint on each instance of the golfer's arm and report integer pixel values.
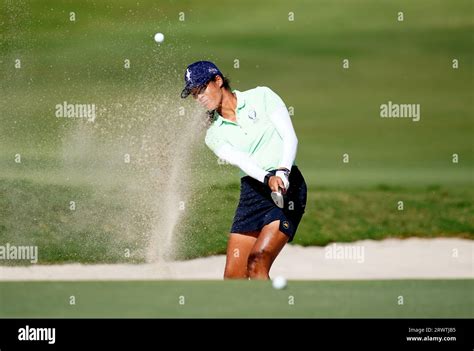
(282, 121)
(240, 159)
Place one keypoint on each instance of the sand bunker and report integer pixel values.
(367, 259)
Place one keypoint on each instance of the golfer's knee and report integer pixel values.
(258, 264)
(235, 273)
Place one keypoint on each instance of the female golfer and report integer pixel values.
(252, 130)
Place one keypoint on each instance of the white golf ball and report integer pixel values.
(159, 37)
(279, 282)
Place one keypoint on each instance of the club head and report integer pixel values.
(277, 198)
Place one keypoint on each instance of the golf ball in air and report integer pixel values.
(159, 37)
(279, 282)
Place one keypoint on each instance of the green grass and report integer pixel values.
(315, 299)
(39, 214)
(341, 215)
(336, 112)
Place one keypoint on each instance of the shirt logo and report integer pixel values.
(252, 114)
(286, 225)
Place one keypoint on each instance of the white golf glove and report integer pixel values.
(284, 175)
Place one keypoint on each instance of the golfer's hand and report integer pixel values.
(275, 183)
(284, 177)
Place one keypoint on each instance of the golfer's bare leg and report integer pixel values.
(266, 248)
(238, 250)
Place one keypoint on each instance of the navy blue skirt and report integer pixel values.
(257, 209)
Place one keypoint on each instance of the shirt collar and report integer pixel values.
(240, 99)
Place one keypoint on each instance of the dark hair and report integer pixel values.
(226, 84)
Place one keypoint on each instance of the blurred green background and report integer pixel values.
(336, 111)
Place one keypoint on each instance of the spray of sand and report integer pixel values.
(129, 170)
(137, 157)
(175, 189)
